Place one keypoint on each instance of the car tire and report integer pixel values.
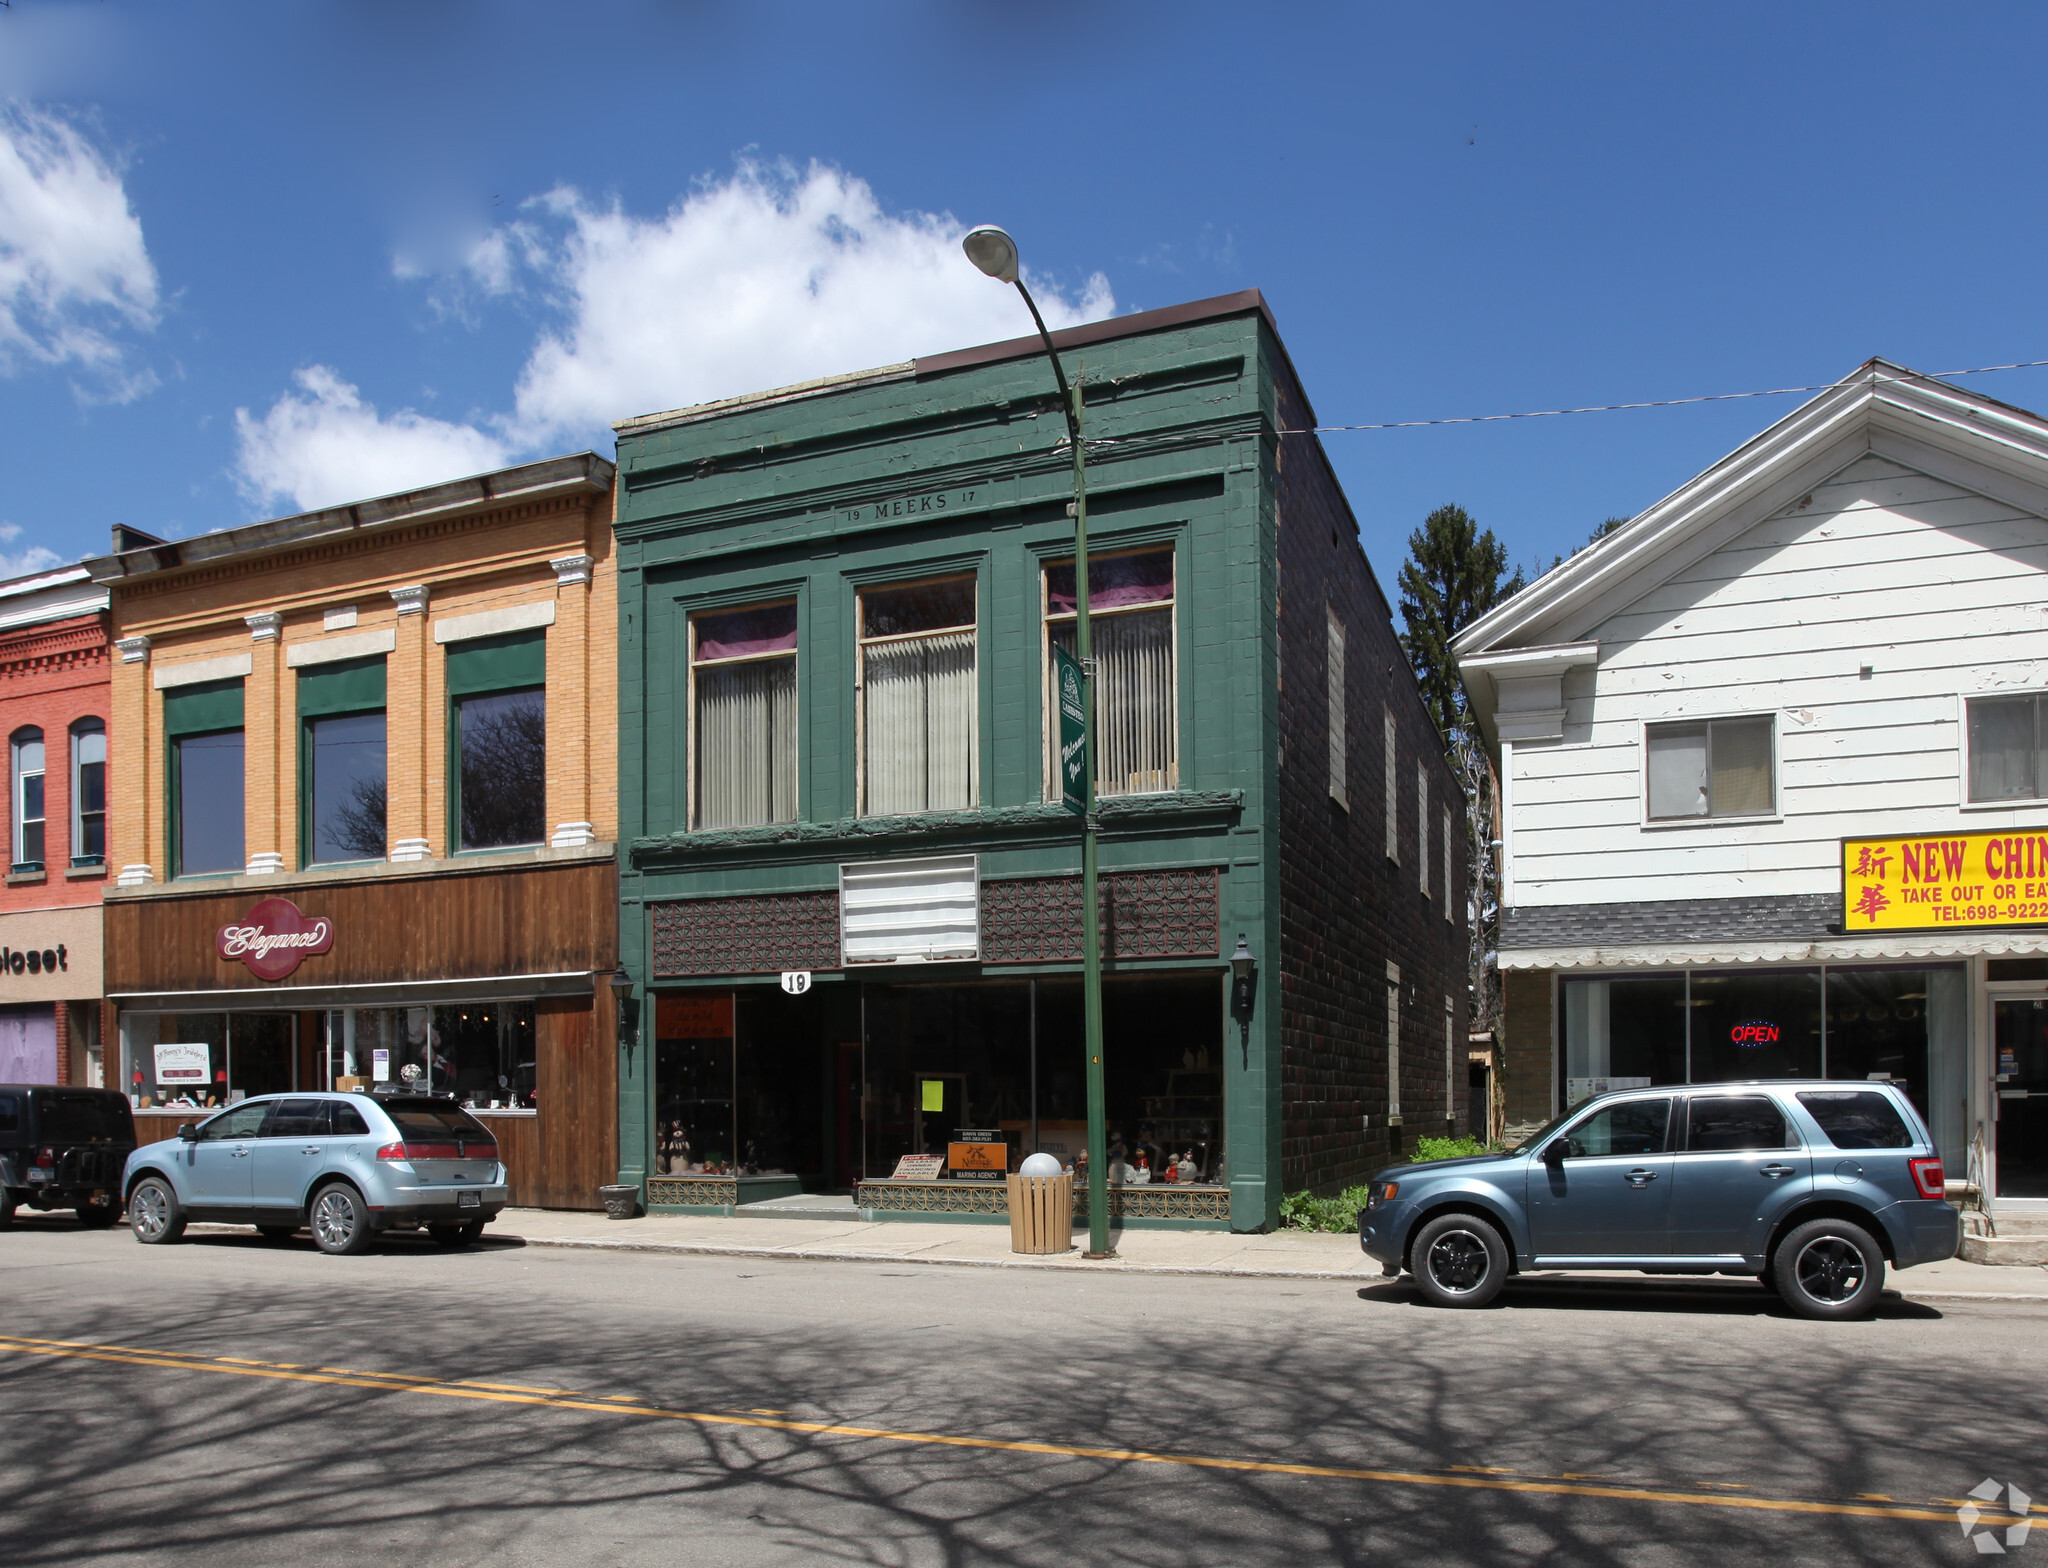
(1829, 1270)
(340, 1221)
(6, 1208)
(154, 1213)
(450, 1235)
(97, 1216)
(276, 1235)
(1458, 1260)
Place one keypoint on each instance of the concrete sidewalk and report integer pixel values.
(1290, 1254)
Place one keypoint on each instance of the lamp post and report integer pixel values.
(995, 253)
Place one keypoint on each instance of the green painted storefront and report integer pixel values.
(951, 471)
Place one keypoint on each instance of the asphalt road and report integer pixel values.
(230, 1402)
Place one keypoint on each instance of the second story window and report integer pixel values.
(203, 739)
(341, 761)
(2008, 748)
(28, 800)
(89, 793)
(743, 716)
(1130, 633)
(918, 697)
(1712, 768)
(498, 737)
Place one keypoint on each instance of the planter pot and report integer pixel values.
(620, 1203)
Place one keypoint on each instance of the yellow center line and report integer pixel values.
(1491, 1482)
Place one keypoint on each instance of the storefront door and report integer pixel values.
(2019, 1045)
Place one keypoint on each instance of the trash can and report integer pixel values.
(620, 1203)
(1041, 1213)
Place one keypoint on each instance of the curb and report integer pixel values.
(1074, 1264)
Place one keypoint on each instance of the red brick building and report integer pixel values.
(54, 687)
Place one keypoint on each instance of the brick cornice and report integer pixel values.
(63, 645)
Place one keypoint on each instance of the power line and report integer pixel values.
(1666, 402)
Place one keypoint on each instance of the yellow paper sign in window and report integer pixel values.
(934, 1094)
(1948, 879)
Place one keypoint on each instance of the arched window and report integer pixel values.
(89, 792)
(28, 800)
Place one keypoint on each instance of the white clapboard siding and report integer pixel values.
(1943, 592)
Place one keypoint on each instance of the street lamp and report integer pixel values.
(622, 997)
(1244, 974)
(995, 253)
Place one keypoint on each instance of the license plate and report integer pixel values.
(36, 1175)
(469, 1200)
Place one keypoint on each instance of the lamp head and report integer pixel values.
(622, 984)
(993, 251)
(1241, 960)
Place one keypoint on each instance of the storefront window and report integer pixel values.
(1907, 1025)
(1130, 633)
(220, 1057)
(919, 697)
(203, 727)
(1758, 1023)
(342, 797)
(1623, 1034)
(743, 716)
(480, 1052)
(693, 1084)
(497, 688)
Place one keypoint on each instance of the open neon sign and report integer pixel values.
(1754, 1034)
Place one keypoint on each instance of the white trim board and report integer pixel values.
(327, 650)
(490, 623)
(225, 668)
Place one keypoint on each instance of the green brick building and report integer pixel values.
(837, 606)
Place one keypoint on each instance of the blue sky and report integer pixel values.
(255, 258)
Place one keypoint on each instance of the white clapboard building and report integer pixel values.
(1774, 776)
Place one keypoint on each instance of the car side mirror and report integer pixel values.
(1558, 1148)
(188, 1133)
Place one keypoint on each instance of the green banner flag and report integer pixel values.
(1073, 733)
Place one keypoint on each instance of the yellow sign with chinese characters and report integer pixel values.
(1945, 879)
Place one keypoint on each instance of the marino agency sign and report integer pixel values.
(274, 937)
(1949, 879)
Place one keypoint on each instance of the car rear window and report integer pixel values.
(347, 1120)
(82, 1118)
(1735, 1121)
(1858, 1118)
(427, 1122)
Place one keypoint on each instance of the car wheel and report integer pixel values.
(451, 1235)
(6, 1208)
(1829, 1269)
(1458, 1260)
(473, 1231)
(275, 1234)
(341, 1224)
(97, 1216)
(153, 1212)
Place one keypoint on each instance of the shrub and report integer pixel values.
(1305, 1211)
(1448, 1149)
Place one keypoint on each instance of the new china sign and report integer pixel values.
(274, 937)
(1951, 879)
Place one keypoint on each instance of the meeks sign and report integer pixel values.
(274, 937)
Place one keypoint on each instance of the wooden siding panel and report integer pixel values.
(1937, 588)
(576, 1082)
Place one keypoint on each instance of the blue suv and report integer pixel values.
(1809, 1187)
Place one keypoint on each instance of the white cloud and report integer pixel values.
(74, 271)
(768, 278)
(20, 563)
(326, 446)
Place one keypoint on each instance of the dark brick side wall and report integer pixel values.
(1526, 1024)
(1346, 910)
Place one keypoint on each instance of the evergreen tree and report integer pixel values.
(1453, 575)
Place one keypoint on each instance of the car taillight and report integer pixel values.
(1928, 1178)
(393, 1151)
(46, 1159)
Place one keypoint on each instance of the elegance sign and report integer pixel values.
(274, 937)
(1950, 879)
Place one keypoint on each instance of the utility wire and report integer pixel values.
(1666, 402)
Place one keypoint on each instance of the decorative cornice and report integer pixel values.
(264, 625)
(134, 650)
(411, 599)
(1124, 816)
(572, 569)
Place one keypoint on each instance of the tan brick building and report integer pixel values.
(386, 730)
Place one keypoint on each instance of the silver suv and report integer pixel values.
(347, 1165)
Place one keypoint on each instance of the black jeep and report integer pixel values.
(63, 1149)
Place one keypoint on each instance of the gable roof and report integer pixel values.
(1917, 421)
